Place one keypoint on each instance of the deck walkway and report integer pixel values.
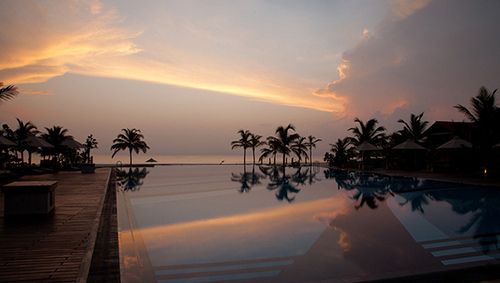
(57, 248)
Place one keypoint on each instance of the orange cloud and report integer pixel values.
(35, 92)
(405, 8)
(88, 40)
(393, 105)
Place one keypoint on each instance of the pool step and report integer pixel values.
(224, 271)
(463, 250)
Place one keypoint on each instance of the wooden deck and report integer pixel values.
(59, 247)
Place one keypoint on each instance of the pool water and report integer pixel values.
(262, 224)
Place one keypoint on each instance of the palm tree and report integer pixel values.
(255, 142)
(484, 114)
(130, 139)
(7, 92)
(311, 143)
(5, 152)
(342, 150)
(243, 142)
(271, 149)
(483, 106)
(415, 128)
(21, 133)
(89, 144)
(285, 139)
(368, 132)
(55, 136)
(299, 147)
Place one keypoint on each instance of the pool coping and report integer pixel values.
(84, 271)
(129, 234)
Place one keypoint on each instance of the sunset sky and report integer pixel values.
(189, 74)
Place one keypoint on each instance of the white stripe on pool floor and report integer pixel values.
(213, 278)
(224, 267)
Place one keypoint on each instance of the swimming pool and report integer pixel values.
(226, 223)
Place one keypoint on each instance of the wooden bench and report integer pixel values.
(29, 197)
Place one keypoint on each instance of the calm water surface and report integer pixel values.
(262, 224)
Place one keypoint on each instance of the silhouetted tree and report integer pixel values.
(130, 139)
(21, 133)
(89, 144)
(255, 142)
(342, 151)
(7, 92)
(299, 147)
(486, 116)
(55, 136)
(368, 132)
(311, 143)
(243, 142)
(271, 149)
(415, 128)
(285, 139)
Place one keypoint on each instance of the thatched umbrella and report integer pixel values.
(36, 142)
(151, 160)
(455, 152)
(365, 146)
(70, 142)
(455, 143)
(33, 142)
(409, 144)
(412, 146)
(6, 142)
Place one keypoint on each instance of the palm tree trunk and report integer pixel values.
(310, 156)
(244, 157)
(130, 151)
(284, 162)
(29, 157)
(274, 162)
(22, 156)
(253, 153)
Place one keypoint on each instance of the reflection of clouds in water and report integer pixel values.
(343, 241)
(342, 208)
(268, 232)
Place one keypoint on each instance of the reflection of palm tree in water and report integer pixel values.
(300, 176)
(247, 179)
(369, 189)
(417, 200)
(131, 179)
(311, 173)
(486, 222)
(410, 190)
(343, 178)
(484, 208)
(281, 183)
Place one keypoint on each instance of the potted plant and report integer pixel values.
(88, 165)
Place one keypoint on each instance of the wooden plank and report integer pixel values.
(52, 249)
